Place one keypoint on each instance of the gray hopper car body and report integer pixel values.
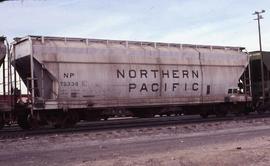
(77, 73)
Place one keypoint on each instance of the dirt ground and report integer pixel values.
(255, 152)
(241, 144)
(246, 147)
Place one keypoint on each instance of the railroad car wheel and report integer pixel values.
(2, 122)
(67, 120)
(23, 121)
(260, 108)
(261, 111)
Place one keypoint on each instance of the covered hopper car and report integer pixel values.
(73, 79)
(5, 98)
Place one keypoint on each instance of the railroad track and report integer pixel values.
(16, 132)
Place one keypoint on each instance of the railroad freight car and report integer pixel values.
(5, 97)
(2, 56)
(69, 79)
(260, 94)
(2, 49)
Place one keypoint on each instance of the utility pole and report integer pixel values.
(259, 16)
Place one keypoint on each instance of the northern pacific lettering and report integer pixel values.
(160, 80)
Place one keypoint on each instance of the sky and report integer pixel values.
(206, 22)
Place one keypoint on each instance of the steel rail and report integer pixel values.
(16, 132)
